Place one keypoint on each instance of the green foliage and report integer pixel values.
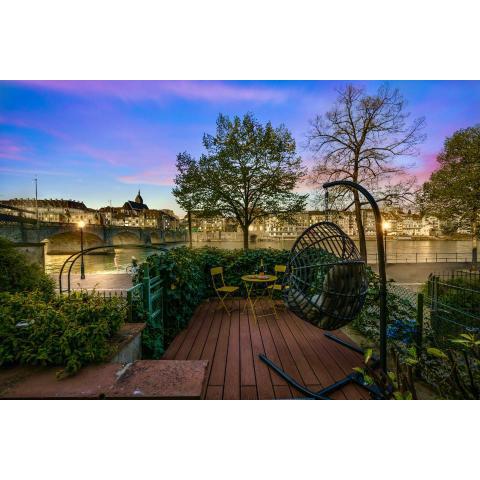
(17, 274)
(394, 385)
(186, 282)
(401, 307)
(63, 331)
(455, 304)
(451, 367)
(452, 192)
(249, 170)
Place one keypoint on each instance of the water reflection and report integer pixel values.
(397, 250)
(102, 263)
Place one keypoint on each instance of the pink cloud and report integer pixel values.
(156, 176)
(426, 165)
(11, 149)
(210, 91)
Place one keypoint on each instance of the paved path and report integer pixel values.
(114, 282)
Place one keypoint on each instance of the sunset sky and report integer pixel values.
(101, 141)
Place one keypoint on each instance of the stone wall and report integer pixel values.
(35, 252)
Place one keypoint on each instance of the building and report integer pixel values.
(135, 213)
(55, 210)
(401, 223)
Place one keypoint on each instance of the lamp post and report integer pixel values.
(386, 227)
(81, 224)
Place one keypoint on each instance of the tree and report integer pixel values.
(360, 139)
(249, 171)
(186, 188)
(453, 191)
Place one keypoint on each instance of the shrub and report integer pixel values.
(64, 331)
(17, 274)
(186, 282)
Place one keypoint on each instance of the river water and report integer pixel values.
(398, 251)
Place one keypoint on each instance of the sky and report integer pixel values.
(101, 141)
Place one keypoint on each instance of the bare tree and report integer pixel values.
(360, 140)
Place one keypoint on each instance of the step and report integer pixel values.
(154, 379)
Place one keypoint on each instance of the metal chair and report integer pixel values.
(279, 285)
(223, 291)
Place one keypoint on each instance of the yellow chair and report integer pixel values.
(223, 291)
(278, 286)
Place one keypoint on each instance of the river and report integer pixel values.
(398, 251)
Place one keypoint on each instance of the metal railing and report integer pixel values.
(454, 300)
(418, 257)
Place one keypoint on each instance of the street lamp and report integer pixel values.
(386, 227)
(81, 224)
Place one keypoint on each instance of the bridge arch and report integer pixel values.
(125, 237)
(67, 242)
(157, 238)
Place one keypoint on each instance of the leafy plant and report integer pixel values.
(186, 282)
(63, 331)
(397, 385)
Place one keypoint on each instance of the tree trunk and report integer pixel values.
(474, 245)
(361, 232)
(245, 237)
(190, 228)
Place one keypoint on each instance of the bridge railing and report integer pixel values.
(419, 257)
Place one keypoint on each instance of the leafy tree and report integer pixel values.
(359, 140)
(186, 189)
(453, 191)
(249, 171)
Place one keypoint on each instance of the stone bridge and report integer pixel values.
(65, 238)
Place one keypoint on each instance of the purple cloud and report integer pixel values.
(128, 91)
(155, 176)
(10, 149)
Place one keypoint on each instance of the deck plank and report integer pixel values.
(329, 356)
(212, 338)
(262, 373)
(206, 317)
(217, 375)
(214, 392)
(247, 368)
(231, 344)
(248, 392)
(192, 333)
(231, 389)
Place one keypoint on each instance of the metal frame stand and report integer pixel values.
(382, 361)
(322, 394)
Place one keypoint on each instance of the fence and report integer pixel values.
(416, 257)
(145, 304)
(454, 301)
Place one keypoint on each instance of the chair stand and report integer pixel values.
(353, 377)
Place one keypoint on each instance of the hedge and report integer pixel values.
(186, 280)
(64, 331)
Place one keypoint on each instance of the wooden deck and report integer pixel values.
(232, 344)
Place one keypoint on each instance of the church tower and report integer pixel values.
(138, 198)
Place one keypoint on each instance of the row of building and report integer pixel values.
(401, 223)
(133, 213)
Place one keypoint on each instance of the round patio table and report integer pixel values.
(253, 281)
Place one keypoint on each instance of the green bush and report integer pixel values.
(186, 282)
(17, 274)
(63, 331)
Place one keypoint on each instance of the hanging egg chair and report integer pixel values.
(326, 277)
(326, 285)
